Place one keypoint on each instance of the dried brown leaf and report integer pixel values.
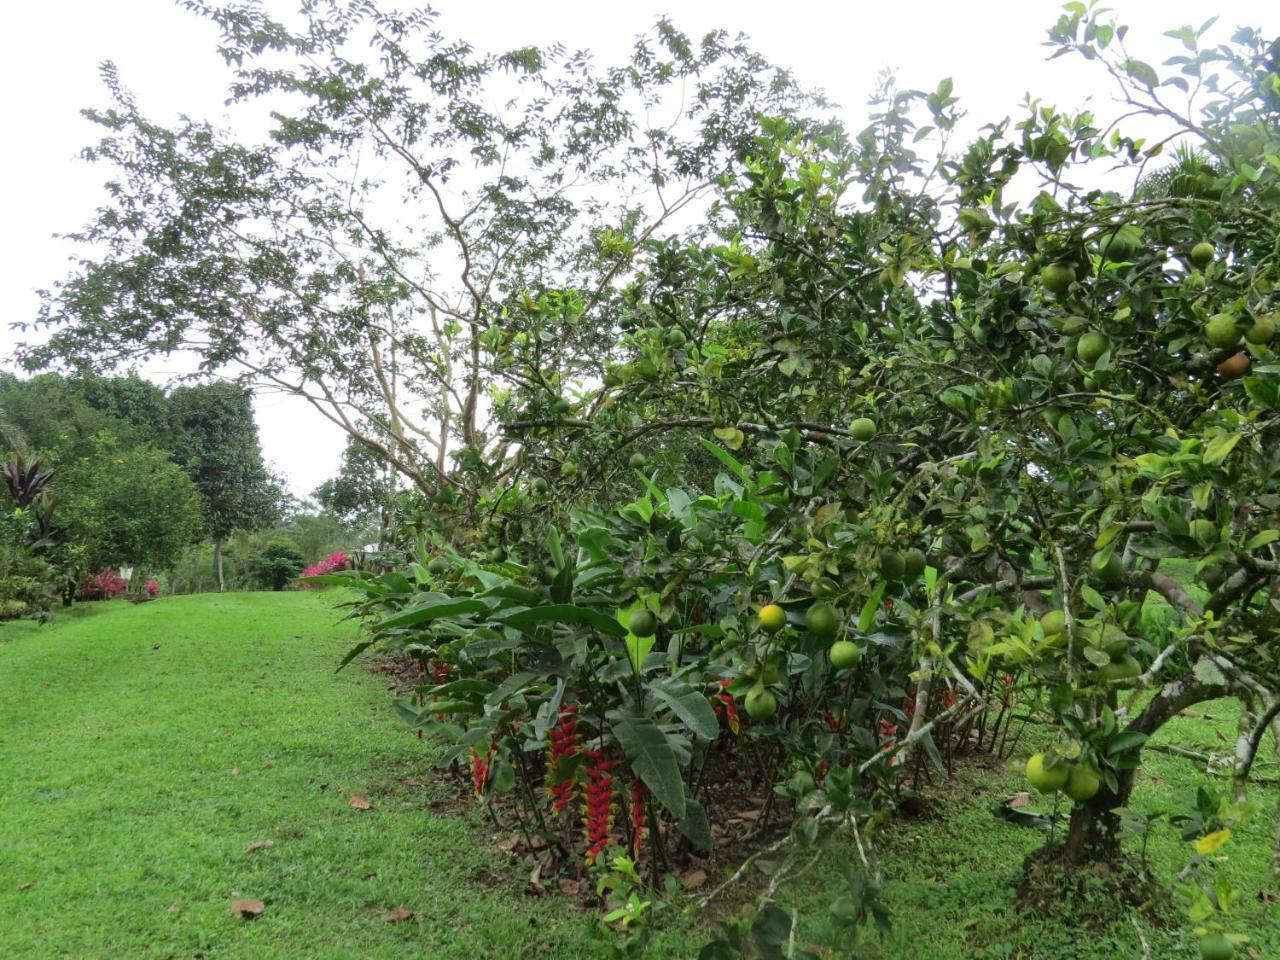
(26, 886)
(507, 845)
(399, 915)
(247, 909)
(259, 845)
(358, 802)
(570, 887)
(693, 879)
(1019, 800)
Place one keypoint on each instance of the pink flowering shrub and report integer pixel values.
(103, 585)
(153, 588)
(331, 564)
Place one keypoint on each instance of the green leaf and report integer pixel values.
(1092, 598)
(868, 615)
(427, 612)
(1142, 72)
(689, 705)
(1219, 448)
(354, 652)
(731, 437)
(564, 613)
(554, 549)
(694, 825)
(724, 457)
(638, 648)
(652, 760)
(1262, 539)
(1124, 742)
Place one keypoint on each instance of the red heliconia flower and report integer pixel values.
(832, 723)
(948, 698)
(823, 767)
(722, 704)
(639, 794)
(598, 798)
(888, 736)
(480, 770)
(564, 743)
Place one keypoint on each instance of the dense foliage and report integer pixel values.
(793, 494)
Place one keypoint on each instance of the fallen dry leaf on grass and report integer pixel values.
(247, 909)
(398, 915)
(693, 879)
(26, 886)
(258, 845)
(507, 845)
(235, 771)
(357, 802)
(570, 887)
(1019, 800)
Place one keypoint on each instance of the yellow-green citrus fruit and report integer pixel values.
(1058, 277)
(760, 703)
(647, 369)
(1221, 331)
(822, 620)
(1204, 532)
(892, 564)
(637, 461)
(1124, 668)
(824, 587)
(1214, 946)
(674, 337)
(612, 377)
(1263, 329)
(772, 618)
(844, 654)
(539, 485)
(1213, 577)
(437, 566)
(1055, 621)
(1202, 254)
(1091, 346)
(643, 623)
(863, 429)
(1114, 641)
(497, 555)
(1113, 571)
(913, 561)
(1236, 365)
(568, 469)
(1120, 244)
(561, 406)
(1082, 782)
(1044, 778)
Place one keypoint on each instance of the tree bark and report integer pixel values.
(217, 565)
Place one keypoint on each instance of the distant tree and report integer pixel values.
(129, 506)
(216, 441)
(276, 565)
(360, 492)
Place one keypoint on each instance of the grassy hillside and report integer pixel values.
(143, 748)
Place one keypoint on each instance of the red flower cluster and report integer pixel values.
(480, 770)
(564, 740)
(599, 802)
(888, 736)
(638, 812)
(722, 703)
(103, 585)
(153, 587)
(331, 564)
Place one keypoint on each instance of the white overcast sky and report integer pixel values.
(51, 49)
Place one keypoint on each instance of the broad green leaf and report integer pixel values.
(694, 825)
(427, 612)
(731, 437)
(689, 705)
(563, 613)
(1262, 539)
(652, 760)
(638, 648)
(1219, 448)
(868, 615)
(724, 457)
(1123, 742)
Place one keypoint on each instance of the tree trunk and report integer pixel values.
(1093, 833)
(217, 565)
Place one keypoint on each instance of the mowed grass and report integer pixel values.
(143, 748)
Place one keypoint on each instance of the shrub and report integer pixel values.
(103, 585)
(275, 566)
(153, 588)
(333, 563)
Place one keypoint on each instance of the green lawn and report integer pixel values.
(143, 748)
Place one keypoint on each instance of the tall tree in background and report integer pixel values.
(361, 491)
(216, 441)
(368, 255)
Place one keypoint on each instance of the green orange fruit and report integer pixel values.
(637, 461)
(643, 623)
(863, 429)
(1263, 329)
(1083, 782)
(1214, 946)
(1058, 277)
(822, 620)
(913, 560)
(892, 564)
(1045, 778)
(1091, 346)
(1202, 254)
(1221, 331)
(844, 654)
(760, 703)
